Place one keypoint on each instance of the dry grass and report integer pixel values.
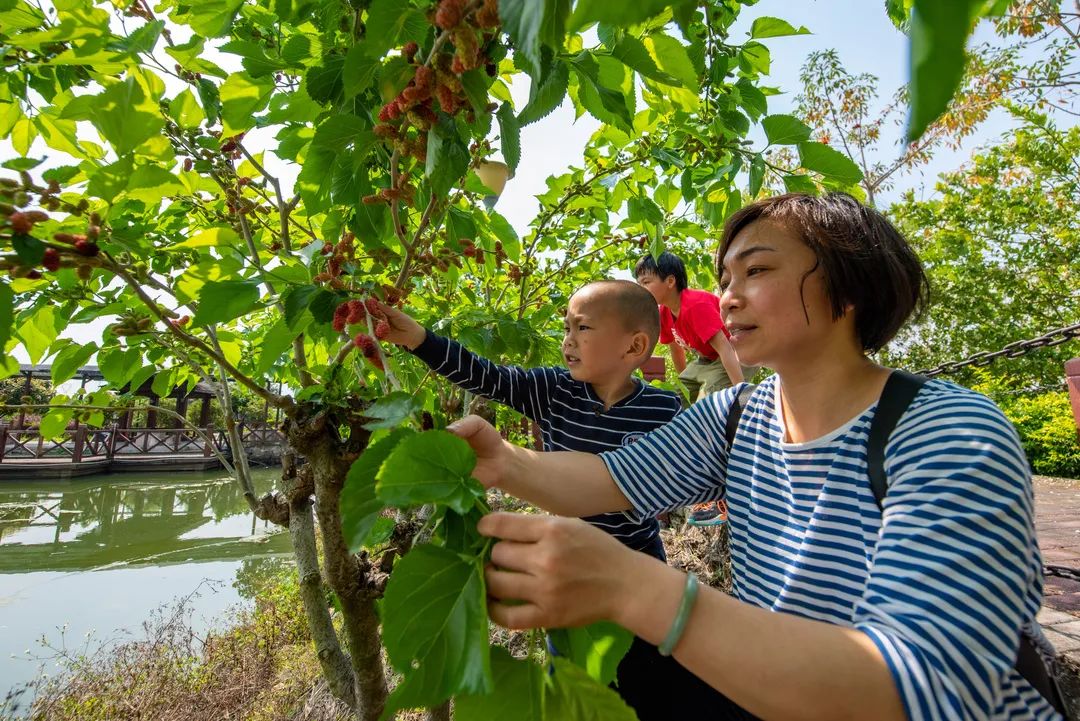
(701, 551)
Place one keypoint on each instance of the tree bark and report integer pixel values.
(440, 712)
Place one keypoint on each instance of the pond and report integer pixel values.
(87, 561)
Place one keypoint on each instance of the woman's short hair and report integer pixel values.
(865, 261)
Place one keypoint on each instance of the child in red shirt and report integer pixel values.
(691, 319)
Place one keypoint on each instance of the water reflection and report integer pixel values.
(113, 520)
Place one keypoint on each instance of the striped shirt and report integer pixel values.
(570, 416)
(942, 581)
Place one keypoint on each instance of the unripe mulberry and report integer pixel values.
(382, 330)
(20, 223)
(51, 259)
(84, 272)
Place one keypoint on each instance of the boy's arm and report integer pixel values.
(730, 361)
(521, 389)
(678, 356)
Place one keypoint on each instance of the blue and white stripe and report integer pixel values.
(942, 581)
(570, 416)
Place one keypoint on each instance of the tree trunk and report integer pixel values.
(440, 712)
(348, 578)
(335, 664)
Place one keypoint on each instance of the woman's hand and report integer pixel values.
(555, 572)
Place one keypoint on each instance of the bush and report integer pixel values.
(1045, 423)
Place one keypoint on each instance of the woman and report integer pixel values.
(841, 611)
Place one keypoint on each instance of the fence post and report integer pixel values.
(3, 440)
(207, 445)
(112, 442)
(80, 440)
(1072, 378)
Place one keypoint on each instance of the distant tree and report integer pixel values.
(13, 389)
(1001, 243)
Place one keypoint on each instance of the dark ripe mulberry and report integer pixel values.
(357, 312)
(425, 77)
(371, 199)
(469, 251)
(410, 50)
(20, 223)
(33, 275)
(85, 247)
(447, 99)
(51, 259)
(372, 306)
(385, 130)
(427, 422)
(188, 164)
(327, 248)
(369, 347)
(341, 314)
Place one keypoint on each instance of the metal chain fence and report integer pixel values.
(1012, 350)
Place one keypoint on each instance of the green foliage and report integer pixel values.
(1001, 245)
(1045, 422)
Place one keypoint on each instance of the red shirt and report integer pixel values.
(699, 320)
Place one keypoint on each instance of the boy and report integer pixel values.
(595, 404)
(691, 319)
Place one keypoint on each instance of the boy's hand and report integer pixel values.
(403, 329)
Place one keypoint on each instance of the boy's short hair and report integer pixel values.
(865, 261)
(632, 304)
(667, 264)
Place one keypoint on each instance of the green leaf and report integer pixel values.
(546, 95)
(338, 132)
(603, 103)
(767, 27)
(390, 25)
(186, 111)
(754, 58)
(242, 96)
(673, 59)
(325, 82)
(831, 163)
(636, 56)
(359, 71)
(210, 238)
(69, 360)
(213, 18)
(125, 116)
(430, 467)
(38, 332)
(785, 130)
(620, 14)
(435, 626)
(447, 157)
(145, 38)
(757, 174)
(224, 300)
(522, 20)
(360, 508)
(163, 383)
(29, 249)
(211, 100)
(575, 696)
(278, 340)
(460, 224)
(937, 34)
(598, 648)
(518, 694)
(800, 184)
(119, 365)
(297, 301)
(509, 136)
(7, 313)
(54, 423)
(22, 163)
(391, 410)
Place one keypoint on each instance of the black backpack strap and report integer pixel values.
(735, 413)
(900, 389)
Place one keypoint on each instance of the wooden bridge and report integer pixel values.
(25, 454)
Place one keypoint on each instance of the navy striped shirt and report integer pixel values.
(570, 416)
(942, 581)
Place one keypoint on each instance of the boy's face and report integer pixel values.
(596, 343)
(657, 287)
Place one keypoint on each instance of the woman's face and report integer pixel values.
(773, 299)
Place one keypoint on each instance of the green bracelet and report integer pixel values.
(682, 616)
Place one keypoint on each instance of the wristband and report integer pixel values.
(686, 605)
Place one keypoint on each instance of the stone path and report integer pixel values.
(1057, 521)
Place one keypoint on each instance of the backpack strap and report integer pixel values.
(735, 413)
(900, 389)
